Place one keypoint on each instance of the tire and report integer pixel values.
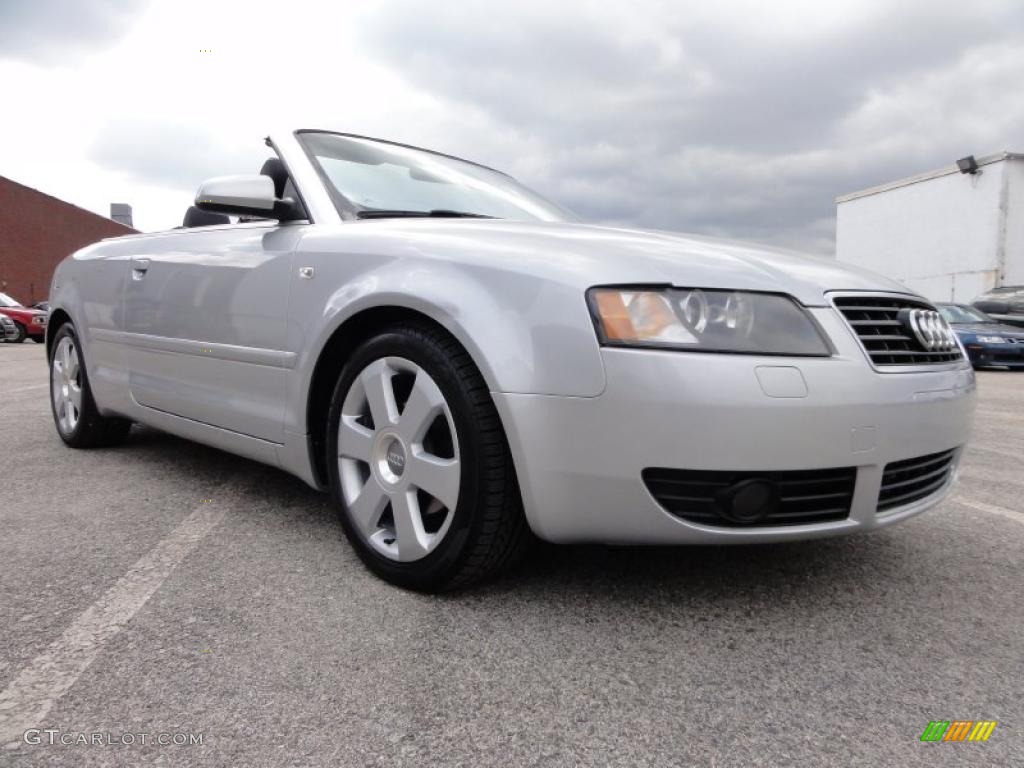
(38, 339)
(418, 416)
(22, 333)
(75, 415)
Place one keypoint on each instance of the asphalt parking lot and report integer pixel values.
(165, 587)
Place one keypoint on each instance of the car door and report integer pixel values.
(205, 325)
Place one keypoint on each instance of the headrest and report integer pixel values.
(275, 169)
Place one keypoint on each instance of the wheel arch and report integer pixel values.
(58, 317)
(524, 333)
(336, 351)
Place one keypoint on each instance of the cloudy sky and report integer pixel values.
(738, 117)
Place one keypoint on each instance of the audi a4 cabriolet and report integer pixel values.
(464, 365)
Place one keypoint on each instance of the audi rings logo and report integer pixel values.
(928, 327)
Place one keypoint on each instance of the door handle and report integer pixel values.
(139, 267)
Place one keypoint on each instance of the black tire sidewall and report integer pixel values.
(436, 568)
(22, 334)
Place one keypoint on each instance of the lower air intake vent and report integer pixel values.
(910, 480)
(745, 499)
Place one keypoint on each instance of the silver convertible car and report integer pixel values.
(464, 365)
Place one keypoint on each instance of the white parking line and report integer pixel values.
(993, 509)
(32, 693)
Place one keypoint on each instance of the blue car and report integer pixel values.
(987, 341)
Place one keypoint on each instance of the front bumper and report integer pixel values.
(580, 459)
(984, 355)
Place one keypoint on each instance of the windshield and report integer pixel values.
(375, 179)
(956, 313)
(7, 301)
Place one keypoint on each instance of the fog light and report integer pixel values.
(748, 501)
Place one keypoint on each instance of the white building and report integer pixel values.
(949, 235)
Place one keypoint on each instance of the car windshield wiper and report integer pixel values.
(439, 213)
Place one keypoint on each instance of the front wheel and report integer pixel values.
(419, 464)
(79, 422)
(22, 333)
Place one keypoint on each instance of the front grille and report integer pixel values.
(884, 337)
(907, 481)
(804, 496)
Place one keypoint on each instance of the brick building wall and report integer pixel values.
(36, 232)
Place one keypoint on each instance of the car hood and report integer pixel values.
(987, 329)
(589, 255)
(21, 313)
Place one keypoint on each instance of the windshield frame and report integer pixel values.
(966, 308)
(349, 210)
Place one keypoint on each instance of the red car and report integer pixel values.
(31, 323)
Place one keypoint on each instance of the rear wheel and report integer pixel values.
(419, 464)
(78, 421)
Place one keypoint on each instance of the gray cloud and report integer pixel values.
(715, 123)
(55, 31)
(179, 156)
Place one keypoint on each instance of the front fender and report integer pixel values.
(526, 334)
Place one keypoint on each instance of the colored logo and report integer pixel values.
(958, 730)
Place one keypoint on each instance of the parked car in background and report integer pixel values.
(8, 330)
(987, 341)
(43, 305)
(1003, 304)
(31, 323)
(460, 361)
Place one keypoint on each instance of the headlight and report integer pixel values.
(705, 321)
(991, 339)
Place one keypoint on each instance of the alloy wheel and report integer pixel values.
(66, 385)
(398, 459)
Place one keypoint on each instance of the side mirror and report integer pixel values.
(245, 196)
(993, 307)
